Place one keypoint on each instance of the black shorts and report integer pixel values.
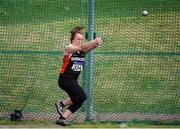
(74, 90)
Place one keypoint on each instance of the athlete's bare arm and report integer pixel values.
(86, 47)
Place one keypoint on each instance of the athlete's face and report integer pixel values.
(78, 39)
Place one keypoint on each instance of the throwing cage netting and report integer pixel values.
(134, 74)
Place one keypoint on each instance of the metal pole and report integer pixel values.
(89, 63)
(81, 16)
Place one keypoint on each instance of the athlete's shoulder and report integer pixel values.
(72, 48)
(68, 49)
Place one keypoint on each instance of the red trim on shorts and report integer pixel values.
(65, 63)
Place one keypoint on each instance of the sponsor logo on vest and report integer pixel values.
(77, 59)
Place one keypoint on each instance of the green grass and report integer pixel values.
(93, 124)
(33, 41)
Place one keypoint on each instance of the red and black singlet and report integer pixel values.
(73, 64)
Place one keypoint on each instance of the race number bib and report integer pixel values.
(77, 67)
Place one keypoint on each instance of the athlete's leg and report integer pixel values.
(67, 102)
(76, 94)
(77, 97)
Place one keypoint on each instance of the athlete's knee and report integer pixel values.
(81, 98)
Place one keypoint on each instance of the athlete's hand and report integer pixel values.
(98, 40)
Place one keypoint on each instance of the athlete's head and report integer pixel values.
(76, 35)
